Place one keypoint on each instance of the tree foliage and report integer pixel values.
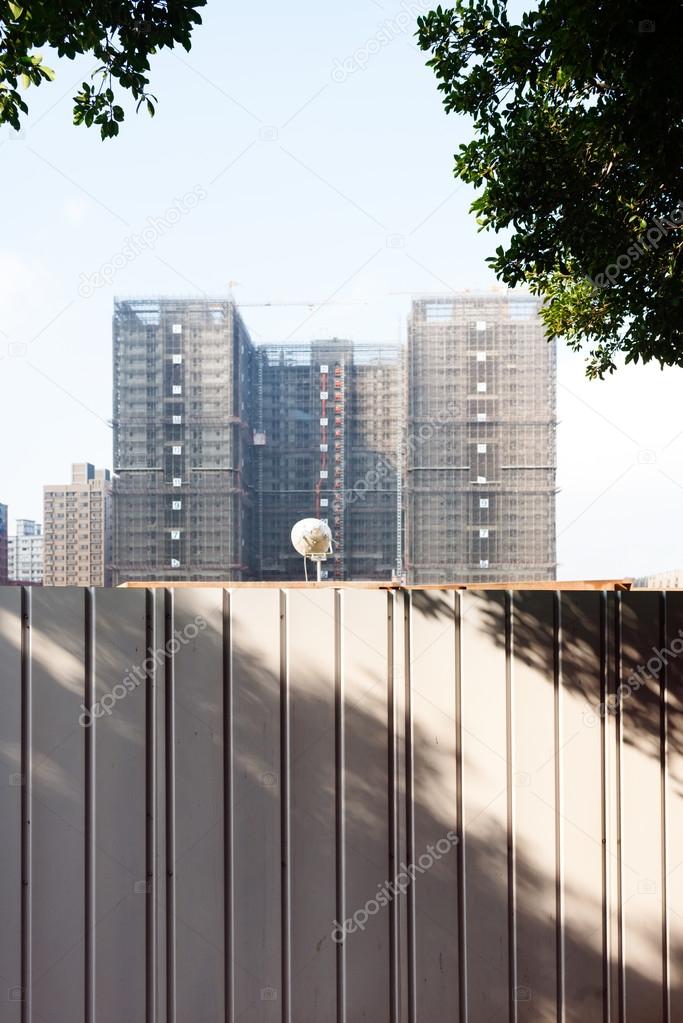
(577, 151)
(121, 35)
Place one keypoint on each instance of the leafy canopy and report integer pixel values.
(120, 34)
(578, 152)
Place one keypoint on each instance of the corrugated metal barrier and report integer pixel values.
(340, 805)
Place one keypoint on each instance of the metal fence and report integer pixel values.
(353, 805)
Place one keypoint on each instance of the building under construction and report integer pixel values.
(480, 449)
(184, 494)
(327, 445)
(221, 446)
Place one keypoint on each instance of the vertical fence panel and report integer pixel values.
(641, 808)
(366, 818)
(10, 804)
(582, 807)
(117, 733)
(193, 648)
(258, 850)
(317, 962)
(487, 949)
(534, 763)
(434, 856)
(58, 821)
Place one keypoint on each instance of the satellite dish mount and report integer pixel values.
(313, 540)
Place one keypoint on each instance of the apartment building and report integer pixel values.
(184, 493)
(327, 439)
(25, 553)
(77, 524)
(480, 451)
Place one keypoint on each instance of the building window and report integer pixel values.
(324, 502)
(483, 563)
(481, 356)
(323, 368)
(177, 389)
(481, 325)
(177, 481)
(481, 479)
(323, 421)
(177, 360)
(483, 502)
(177, 449)
(481, 387)
(177, 328)
(481, 417)
(484, 534)
(323, 474)
(177, 505)
(177, 420)
(481, 449)
(175, 534)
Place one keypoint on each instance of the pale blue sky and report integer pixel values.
(318, 138)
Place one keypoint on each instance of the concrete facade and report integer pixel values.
(25, 553)
(77, 523)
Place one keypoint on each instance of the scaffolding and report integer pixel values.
(480, 459)
(430, 463)
(182, 447)
(330, 415)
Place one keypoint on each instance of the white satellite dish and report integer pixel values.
(312, 539)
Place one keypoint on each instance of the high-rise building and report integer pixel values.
(77, 517)
(220, 446)
(184, 491)
(480, 449)
(25, 553)
(3, 544)
(327, 440)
